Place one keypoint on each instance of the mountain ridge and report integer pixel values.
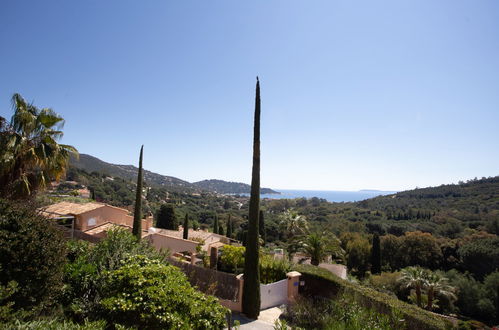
(90, 164)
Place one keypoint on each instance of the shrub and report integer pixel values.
(149, 294)
(342, 313)
(273, 270)
(54, 324)
(32, 253)
(232, 258)
(87, 263)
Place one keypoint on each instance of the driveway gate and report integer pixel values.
(273, 294)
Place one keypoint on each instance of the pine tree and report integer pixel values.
(376, 255)
(261, 228)
(251, 290)
(137, 213)
(186, 226)
(229, 227)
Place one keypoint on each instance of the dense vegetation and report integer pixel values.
(117, 281)
(225, 187)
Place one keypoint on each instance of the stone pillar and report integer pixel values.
(213, 257)
(193, 258)
(240, 277)
(293, 284)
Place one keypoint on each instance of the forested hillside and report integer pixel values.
(92, 164)
(129, 172)
(225, 187)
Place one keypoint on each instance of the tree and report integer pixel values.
(358, 253)
(414, 277)
(318, 246)
(166, 217)
(421, 249)
(436, 284)
(30, 156)
(491, 284)
(229, 227)
(294, 227)
(186, 226)
(261, 228)
(220, 229)
(137, 214)
(376, 255)
(480, 256)
(251, 290)
(390, 244)
(32, 253)
(293, 223)
(215, 225)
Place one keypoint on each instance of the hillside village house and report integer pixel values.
(90, 216)
(91, 221)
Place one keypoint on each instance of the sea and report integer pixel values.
(329, 195)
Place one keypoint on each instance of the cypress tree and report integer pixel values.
(166, 217)
(137, 213)
(261, 227)
(215, 225)
(229, 227)
(251, 290)
(220, 229)
(376, 255)
(186, 226)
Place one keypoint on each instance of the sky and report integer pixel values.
(387, 95)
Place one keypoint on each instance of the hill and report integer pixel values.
(225, 187)
(93, 164)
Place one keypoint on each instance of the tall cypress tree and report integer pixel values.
(376, 255)
(220, 229)
(186, 226)
(215, 224)
(251, 290)
(229, 227)
(261, 228)
(137, 212)
(166, 217)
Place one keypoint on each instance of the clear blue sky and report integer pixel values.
(355, 94)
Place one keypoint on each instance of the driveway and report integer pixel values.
(265, 320)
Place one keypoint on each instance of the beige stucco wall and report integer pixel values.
(108, 214)
(173, 244)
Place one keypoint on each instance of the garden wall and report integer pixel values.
(212, 282)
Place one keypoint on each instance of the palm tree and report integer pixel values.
(293, 223)
(319, 245)
(414, 277)
(30, 156)
(437, 284)
(295, 226)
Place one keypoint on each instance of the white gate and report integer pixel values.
(273, 294)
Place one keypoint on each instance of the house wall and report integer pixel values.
(105, 214)
(171, 243)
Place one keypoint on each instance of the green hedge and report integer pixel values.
(321, 282)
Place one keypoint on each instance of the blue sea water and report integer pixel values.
(329, 195)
